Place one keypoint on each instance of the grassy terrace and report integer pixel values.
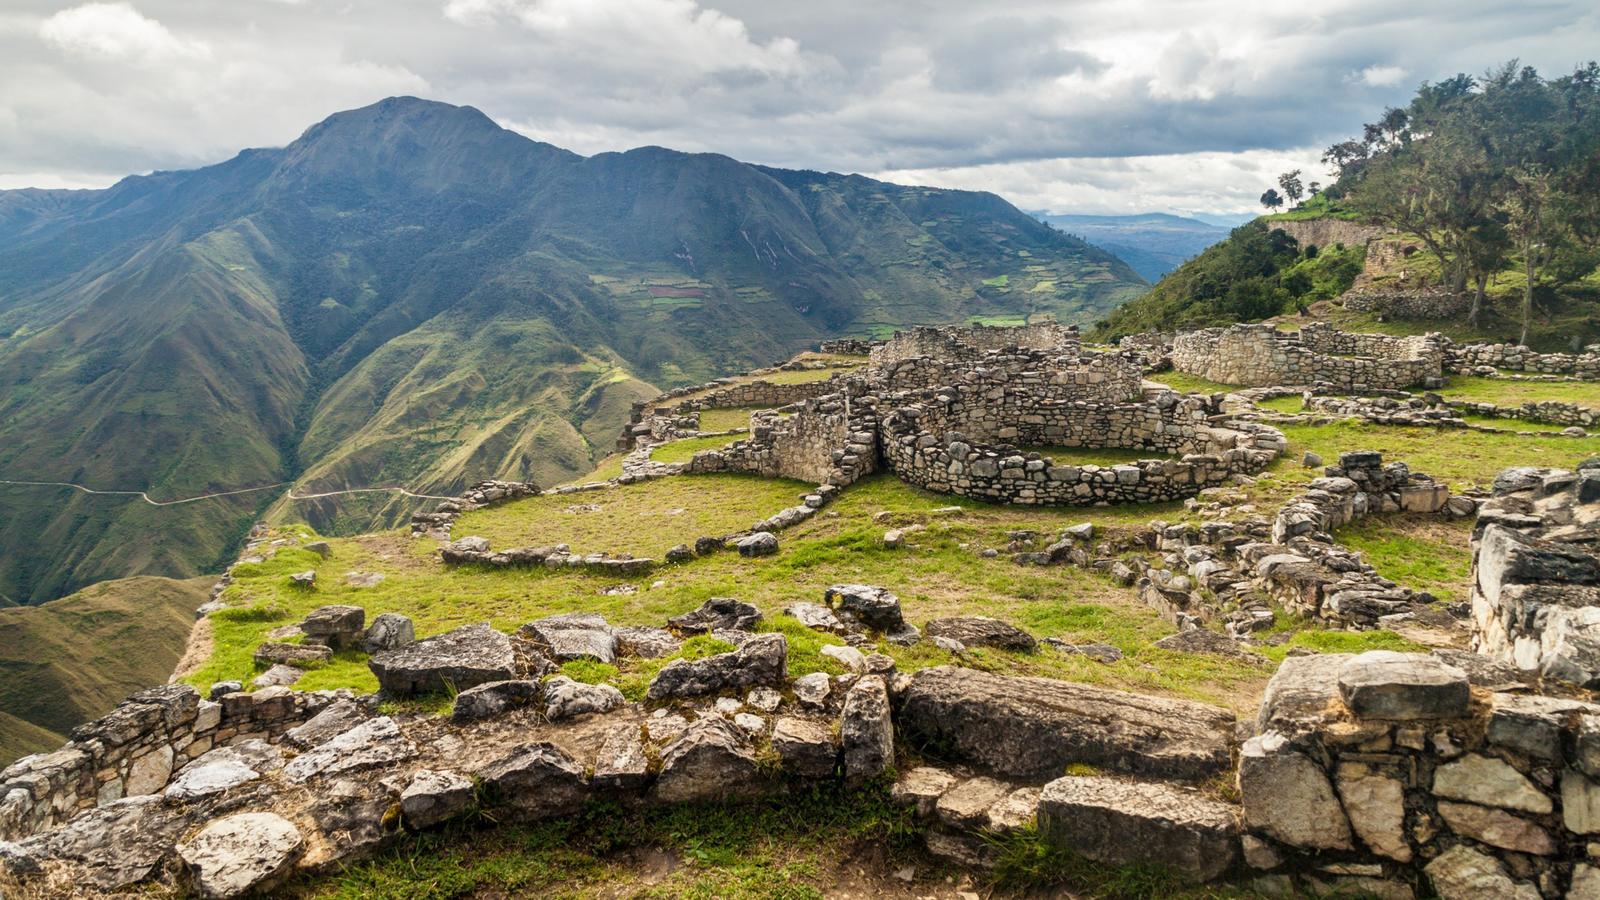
(1509, 392)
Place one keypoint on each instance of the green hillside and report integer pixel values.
(72, 659)
(409, 294)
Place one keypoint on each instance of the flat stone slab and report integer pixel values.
(1119, 822)
(242, 854)
(374, 742)
(466, 657)
(1383, 684)
(1036, 727)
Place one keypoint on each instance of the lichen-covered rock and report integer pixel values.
(466, 657)
(335, 626)
(1036, 727)
(374, 742)
(716, 614)
(389, 631)
(433, 797)
(571, 636)
(566, 699)
(1117, 822)
(339, 717)
(299, 655)
(806, 748)
(866, 732)
(494, 698)
(1384, 684)
(712, 760)
(622, 765)
(242, 854)
(1287, 796)
(539, 780)
(1463, 873)
(763, 659)
(982, 631)
(762, 543)
(1376, 806)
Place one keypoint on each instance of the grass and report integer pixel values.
(684, 449)
(1291, 404)
(1424, 553)
(1190, 384)
(643, 519)
(726, 419)
(1511, 424)
(1510, 392)
(939, 572)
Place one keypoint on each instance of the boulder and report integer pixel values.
(1489, 781)
(335, 626)
(982, 631)
(567, 699)
(872, 607)
(716, 614)
(375, 742)
(433, 797)
(762, 543)
(337, 718)
(242, 854)
(539, 780)
(1118, 823)
(277, 676)
(571, 636)
(208, 775)
(806, 748)
(1204, 640)
(866, 731)
(763, 659)
(492, 699)
(966, 806)
(712, 760)
(811, 690)
(1036, 727)
(466, 657)
(645, 642)
(298, 655)
(1383, 684)
(305, 581)
(921, 788)
(389, 631)
(1287, 796)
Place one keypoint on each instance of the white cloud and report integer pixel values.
(1381, 76)
(116, 31)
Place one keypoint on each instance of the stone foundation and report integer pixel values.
(1418, 303)
(1260, 355)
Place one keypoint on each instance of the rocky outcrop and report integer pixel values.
(763, 659)
(456, 660)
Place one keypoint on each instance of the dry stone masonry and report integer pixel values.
(1260, 355)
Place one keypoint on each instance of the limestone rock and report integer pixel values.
(1384, 684)
(1488, 781)
(1497, 827)
(806, 748)
(982, 631)
(433, 797)
(539, 780)
(811, 690)
(149, 772)
(645, 642)
(566, 699)
(277, 676)
(1376, 805)
(1204, 640)
(1462, 873)
(762, 543)
(622, 765)
(710, 761)
(1035, 727)
(1118, 822)
(571, 636)
(1018, 809)
(375, 742)
(763, 659)
(866, 730)
(335, 626)
(872, 607)
(1287, 796)
(300, 655)
(1580, 803)
(336, 719)
(966, 806)
(389, 631)
(492, 699)
(242, 854)
(466, 657)
(304, 580)
(205, 777)
(848, 656)
(921, 788)
(716, 614)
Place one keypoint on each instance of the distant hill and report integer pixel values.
(409, 294)
(1153, 244)
(71, 660)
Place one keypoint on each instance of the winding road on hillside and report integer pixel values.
(266, 487)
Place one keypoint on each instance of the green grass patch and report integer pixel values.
(1424, 553)
(726, 419)
(684, 449)
(1290, 405)
(1190, 384)
(1510, 392)
(644, 519)
(997, 281)
(1511, 424)
(1343, 642)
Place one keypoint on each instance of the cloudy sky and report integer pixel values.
(1106, 106)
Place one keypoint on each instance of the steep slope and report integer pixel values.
(1153, 244)
(409, 294)
(71, 660)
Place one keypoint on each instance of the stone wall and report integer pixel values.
(940, 444)
(846, 347)
(1464, 358)
(135, 749)
(951, 344)
(1090, 376)
(1411, 303)
(827, 440)
(1260, 355)
(1327, 232)
(1390, 774)
(1536, 573)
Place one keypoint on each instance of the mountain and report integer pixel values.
(409, 294)
(1153, 244)
(72, 659)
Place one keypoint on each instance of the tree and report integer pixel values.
(1271, 200)
(1292, 188)
(1314, 188)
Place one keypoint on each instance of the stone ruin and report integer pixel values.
(1261, 355)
